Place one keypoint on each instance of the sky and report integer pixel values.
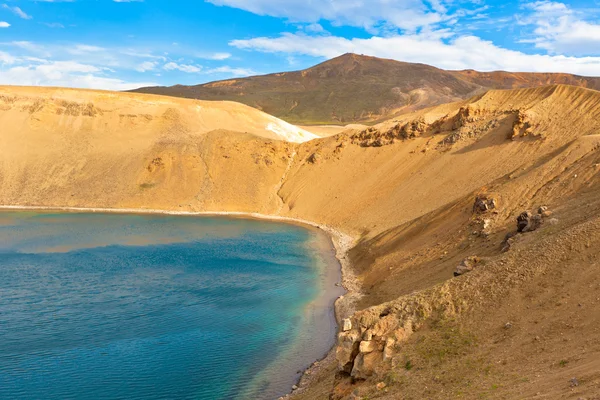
(125, 44)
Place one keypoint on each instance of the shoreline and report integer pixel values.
(344, 305)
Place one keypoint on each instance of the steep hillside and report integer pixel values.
(354, 88)
(422, 194)
(45, 110)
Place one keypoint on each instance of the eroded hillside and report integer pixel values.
(423, 194)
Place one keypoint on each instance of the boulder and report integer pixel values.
(347, 350)
(365, 365)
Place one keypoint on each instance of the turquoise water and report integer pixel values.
(99, 306)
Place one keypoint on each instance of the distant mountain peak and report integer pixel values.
(359, 88)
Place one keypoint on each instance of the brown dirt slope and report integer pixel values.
(355, 88)
(522, 324)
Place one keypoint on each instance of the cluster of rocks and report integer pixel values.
(365, 344)
(484, 203)
(463, 125)
(528, 222)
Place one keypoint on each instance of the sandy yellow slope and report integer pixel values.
(125, 115)
(404, 189)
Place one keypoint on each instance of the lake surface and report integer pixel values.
(108, 306)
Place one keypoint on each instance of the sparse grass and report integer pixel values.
(408, 366)
(144, 186)
(445, 340)
(563, 363)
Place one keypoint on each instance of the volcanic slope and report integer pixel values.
(419, 193)
(354, 88)
(434, 188)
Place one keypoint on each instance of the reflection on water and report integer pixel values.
(97, 306)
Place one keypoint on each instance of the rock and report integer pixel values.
(295, 387)
(346, 325)
(484, 204)
(553, 221)
(367, 346)
(526, 222)
(544, 212)
(313, 158)
(509, 240)
(508, 325)
(347, 350)
(388, 350)
(365, 364)
(535, 223)
(467, 265)
(574, 382)
(523, 221)
(381, 386)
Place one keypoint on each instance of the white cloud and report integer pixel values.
(4, 24)
(561, 30)
(146, 66)
(64, 74)
(432, 48)
(314, 27)
(231, 70)
(219, 56)
(403, 14)
(29, 46)
(84, 48)
(172, 66)
(53, 24)
(6, 58)
(17, 11)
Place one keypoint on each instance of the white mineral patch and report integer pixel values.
(290, 132)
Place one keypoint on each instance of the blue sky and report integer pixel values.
(109, 44)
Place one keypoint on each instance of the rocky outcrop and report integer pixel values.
(466, 115)
(375, 137)
(523, 126)
(370, 342)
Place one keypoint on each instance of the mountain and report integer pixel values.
(354, 88)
